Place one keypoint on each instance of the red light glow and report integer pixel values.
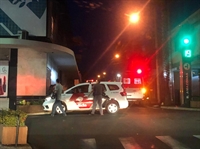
(139, 71)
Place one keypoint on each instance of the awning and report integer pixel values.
(63, 57)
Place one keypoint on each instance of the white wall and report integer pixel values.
(31, 72)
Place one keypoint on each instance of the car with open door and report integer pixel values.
(80, 98)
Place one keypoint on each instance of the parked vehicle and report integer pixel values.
(135, 89)
(79, 97)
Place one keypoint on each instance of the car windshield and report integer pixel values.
(79, 89)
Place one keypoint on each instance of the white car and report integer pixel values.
(79, 97)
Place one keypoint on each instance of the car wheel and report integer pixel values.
(58, 111)
(112, 107)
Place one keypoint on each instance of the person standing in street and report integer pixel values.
(58, 91)
(97, 97)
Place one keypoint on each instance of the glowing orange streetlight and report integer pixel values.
(117, 55)
(134, 18)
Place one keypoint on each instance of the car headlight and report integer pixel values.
(48, 98)
(144, 90)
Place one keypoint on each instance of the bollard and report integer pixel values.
(17, 131)
(2, 116)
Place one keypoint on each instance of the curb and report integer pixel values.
(27, 146)
(180, 108)
(39, 113)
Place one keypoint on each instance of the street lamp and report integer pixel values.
(117, 56)
(119, 77)
(134, 18)
(104, 76)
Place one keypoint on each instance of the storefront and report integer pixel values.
(28, 68)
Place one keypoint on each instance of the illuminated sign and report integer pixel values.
(188, 53)
(137, 81)
(29, 15)
(187, 82)
(126, 81)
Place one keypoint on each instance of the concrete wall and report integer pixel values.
(31, 72)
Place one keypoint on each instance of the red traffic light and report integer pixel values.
(139, 71)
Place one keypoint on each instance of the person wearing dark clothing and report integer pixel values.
(58, 91)
(97, 94)
(51, 89)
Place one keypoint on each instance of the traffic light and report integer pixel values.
(139, 71)
(188, 53)
(187, 48)
(186, 41)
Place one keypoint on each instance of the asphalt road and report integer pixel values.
(134, 127)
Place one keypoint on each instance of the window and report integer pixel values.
(83, 89)
(137, 81)
(79, 89)
(113, 87)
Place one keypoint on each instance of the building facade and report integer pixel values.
(185, 72)
(31, 57)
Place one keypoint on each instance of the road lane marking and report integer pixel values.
(88, 143)
(174, 144)
(129, 143)
(197, 136)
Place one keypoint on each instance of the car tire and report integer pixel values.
(112, 107)
(58, 111)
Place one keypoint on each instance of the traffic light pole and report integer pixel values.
(186, 67)
(157, 60)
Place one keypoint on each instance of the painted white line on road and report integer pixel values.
(174, 144)
(88, 143)
(197, 136)
(129, 143)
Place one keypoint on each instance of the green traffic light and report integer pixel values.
(186, 41)
(187, 46)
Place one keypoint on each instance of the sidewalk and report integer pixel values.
(17, 147)
(175, 108)
(180, 108)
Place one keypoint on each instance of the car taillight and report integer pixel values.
(123, 93)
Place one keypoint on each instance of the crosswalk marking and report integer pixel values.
(88, 143)
(129, 143)
(197, 136)
(172, 142)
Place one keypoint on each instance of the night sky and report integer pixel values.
(181, 9)
(96, 23)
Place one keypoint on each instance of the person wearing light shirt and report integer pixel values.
(58, 91)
